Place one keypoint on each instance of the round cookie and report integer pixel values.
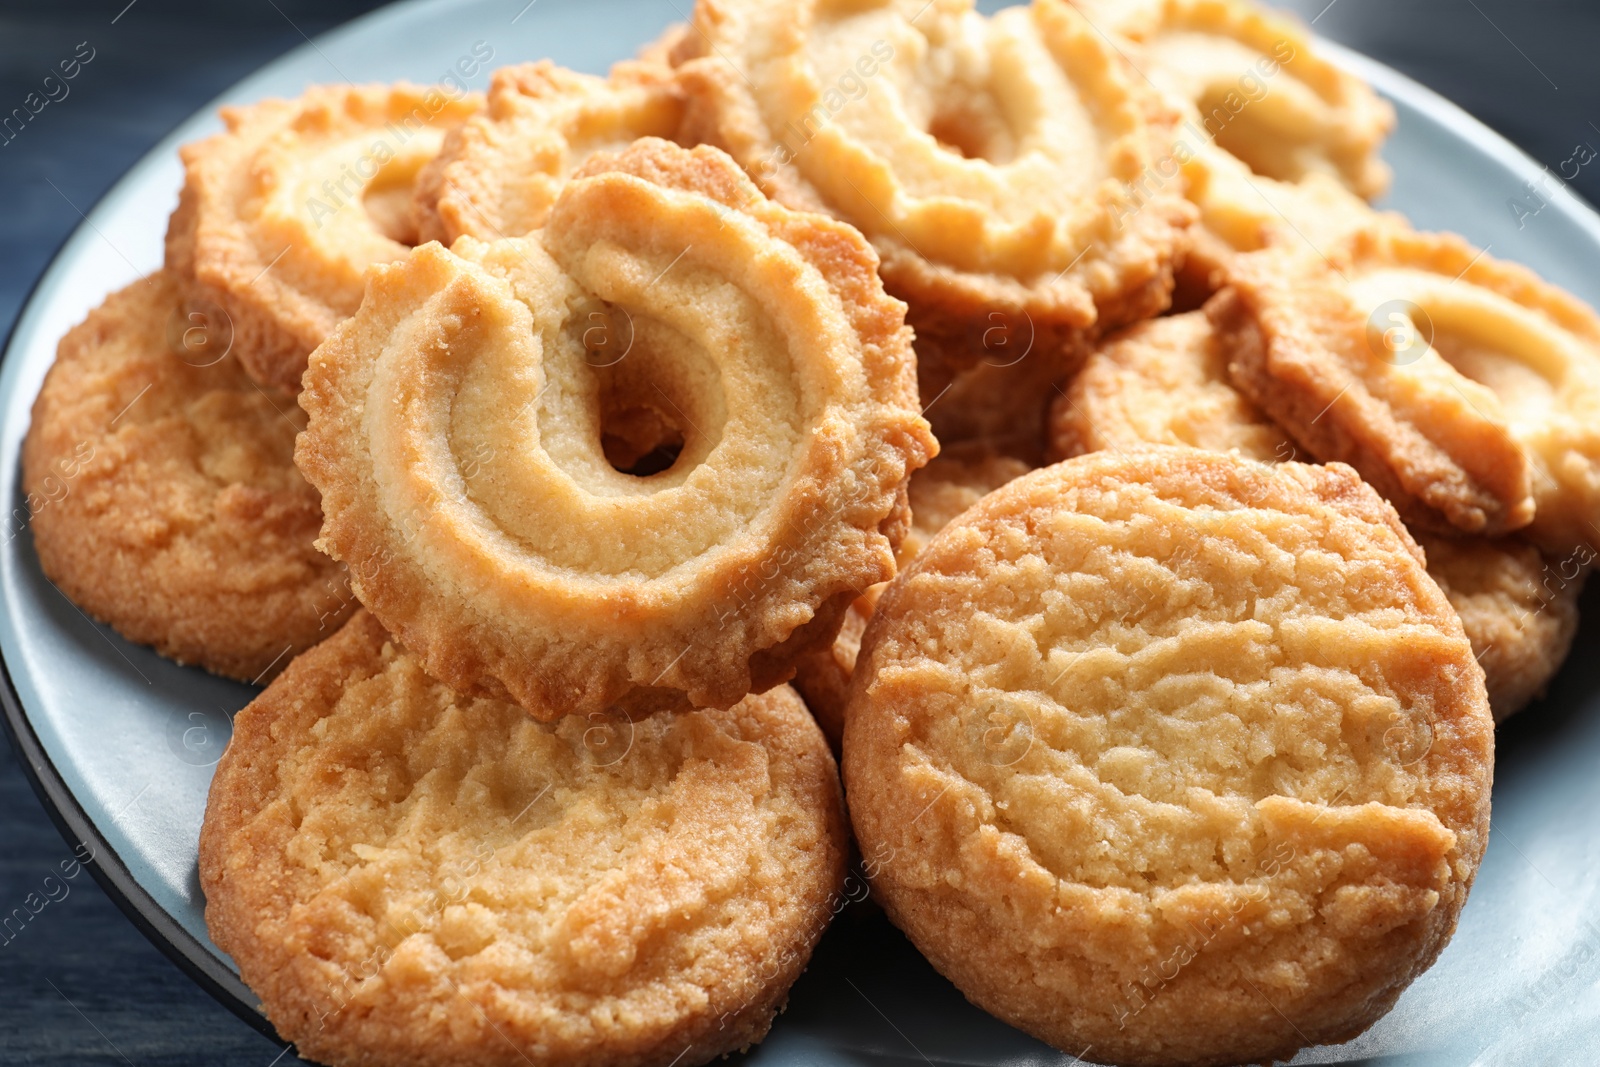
(458, 424)
(954, 480)
(281, 215)
(163, 495)
(1172, 757)
(411, 877)
(499, 172)
(1002, 166)
(1165, 382)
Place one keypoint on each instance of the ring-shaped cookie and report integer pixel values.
(1328, 348)
(281, 215)
(499, 172)
(411, 877)
(457, 422)
(1497, 324)
(1001, 166)
(1277, 143)
(1253, 80)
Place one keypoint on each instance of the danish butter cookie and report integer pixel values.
(999, 165)
(1173, 757)
(1329, 352)
(499, 172)
(1275, 143)
(281, 215)
(1497, 325)
(1166, 383)
(411, 877)
(1253, 79)
(955, 480)
(163, 492)
(458, 423)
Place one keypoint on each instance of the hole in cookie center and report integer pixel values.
(390, 212)
(971, 125)
(647, 403)
(639, 440)
(387, 201)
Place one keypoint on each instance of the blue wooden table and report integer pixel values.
(78, 984)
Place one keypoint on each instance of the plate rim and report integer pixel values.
(158, 925)
(67, 814)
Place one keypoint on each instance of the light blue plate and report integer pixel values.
(121, 742)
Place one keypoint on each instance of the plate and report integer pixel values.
(121, 743)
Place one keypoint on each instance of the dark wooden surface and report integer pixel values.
(80, 985)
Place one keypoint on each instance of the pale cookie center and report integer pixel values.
(1517, 354)
(347, 206)
(1255, 110)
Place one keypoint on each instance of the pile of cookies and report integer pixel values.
(1156, 529)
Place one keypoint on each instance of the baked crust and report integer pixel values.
(281, 215)
(892, 116)
(410, 877)
(454, 424)
(163, 495)
(1171, 757)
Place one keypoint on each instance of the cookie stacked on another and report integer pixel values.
(1173, 756)
(407, 875)
(1166, 383)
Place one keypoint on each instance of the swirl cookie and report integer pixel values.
(1276, 144)
(952, 482)
(1259, 90)
(1242, 213)
(163, 495)
(1000, 166)
(457, 426)
(1174, 757)
(411, 877)
(281, 215)
(1330, 353)
(499, 172)
(1165, 382)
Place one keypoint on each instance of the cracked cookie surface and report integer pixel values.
(1198, 716)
